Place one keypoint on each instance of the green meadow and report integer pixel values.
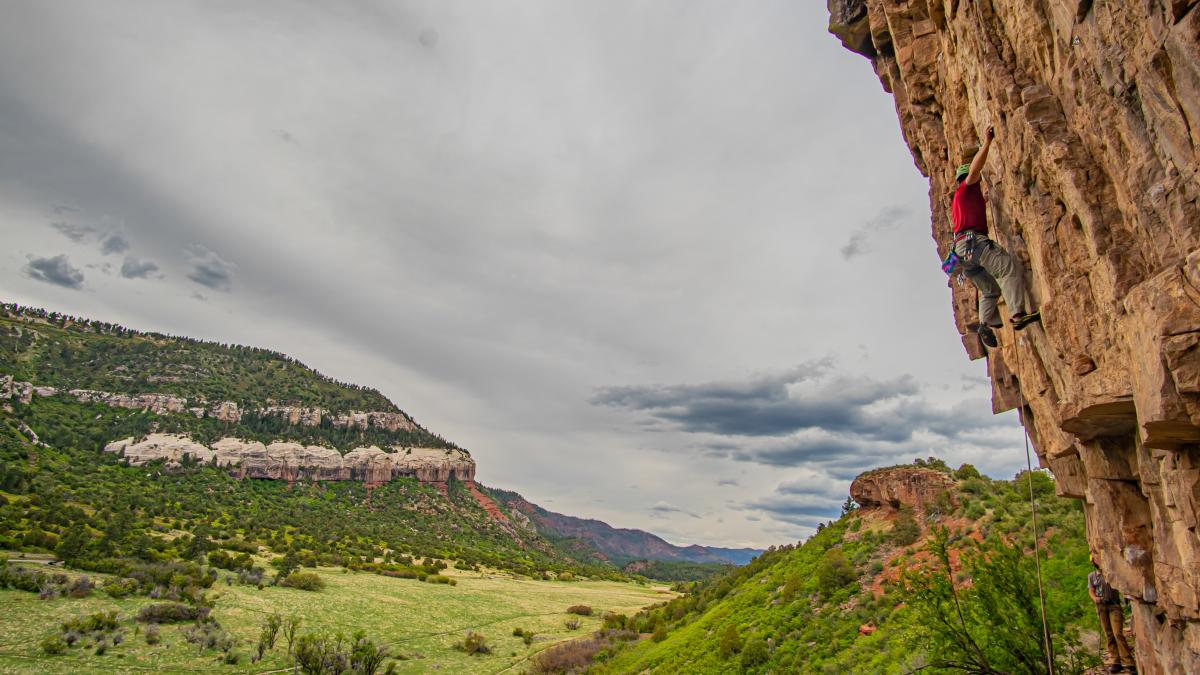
(419, 622)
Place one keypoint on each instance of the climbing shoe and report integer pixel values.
(1020, 321)
(988, 336)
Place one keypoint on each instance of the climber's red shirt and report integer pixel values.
(968, 209)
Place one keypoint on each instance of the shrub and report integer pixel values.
(572, 624)
(119, 588)
(660, 632)
(834, 572)
(441, 579)
(366, 657)
(207, 635)
(400, 574)
(153, 636)
(581, 610)
(53, 645)
(305, 581)
(612, 620)
(905, 530)
(319, 654)
(81, 587)
(568, 657)
(473, 643)
(731, 642)
(170, 612)
(755, 653)
(97, 622)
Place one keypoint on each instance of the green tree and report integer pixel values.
(835, 572)
(73, 544)
(731, 642)
(755, 653)
(966, 471)
(993, 625)
(286, 565)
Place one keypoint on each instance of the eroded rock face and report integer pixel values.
(225, 411)
(890, 488)
(295, 462)
(15, 389)
(157, 403)
(1093, 181)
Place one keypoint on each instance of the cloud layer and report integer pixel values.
(57, 270)
(509, 222)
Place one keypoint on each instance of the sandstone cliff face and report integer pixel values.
(295, 462)
(1093, 181)
(890, 488)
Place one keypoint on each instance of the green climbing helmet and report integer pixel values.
(962, 172)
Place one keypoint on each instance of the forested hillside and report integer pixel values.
(207, 387)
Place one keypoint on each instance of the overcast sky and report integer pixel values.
(667, 264)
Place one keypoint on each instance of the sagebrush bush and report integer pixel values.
(568, 657)
(170, 612)
(53, 645)
(473, 643)
(305, 581)
(581, 610)
(119, 588)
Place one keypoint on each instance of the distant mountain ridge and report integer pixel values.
(614, 544)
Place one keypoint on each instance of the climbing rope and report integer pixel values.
(1037, 555)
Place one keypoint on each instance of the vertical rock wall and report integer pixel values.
(1092, 181)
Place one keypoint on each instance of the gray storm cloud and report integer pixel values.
(209, 269)
(132, 268)
(57, 270)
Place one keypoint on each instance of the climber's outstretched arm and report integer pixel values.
(980, 158)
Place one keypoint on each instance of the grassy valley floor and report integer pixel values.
(420, 621)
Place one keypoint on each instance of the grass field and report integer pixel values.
(421, 621)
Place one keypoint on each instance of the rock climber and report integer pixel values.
(994, 271)
(1112, 621)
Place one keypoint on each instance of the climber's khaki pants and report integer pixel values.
(1112, 622)
(1002, 274)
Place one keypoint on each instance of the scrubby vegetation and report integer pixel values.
(866, 592)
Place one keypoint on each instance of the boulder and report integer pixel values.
(916, 487)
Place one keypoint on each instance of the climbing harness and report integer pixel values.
(967, 264)
(1037, 555)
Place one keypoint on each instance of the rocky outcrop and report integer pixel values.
(161, 404)
(296, 462)
(1093, 182)
(11, 389)
(915, 487)
(225, 411)
(311, 417)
